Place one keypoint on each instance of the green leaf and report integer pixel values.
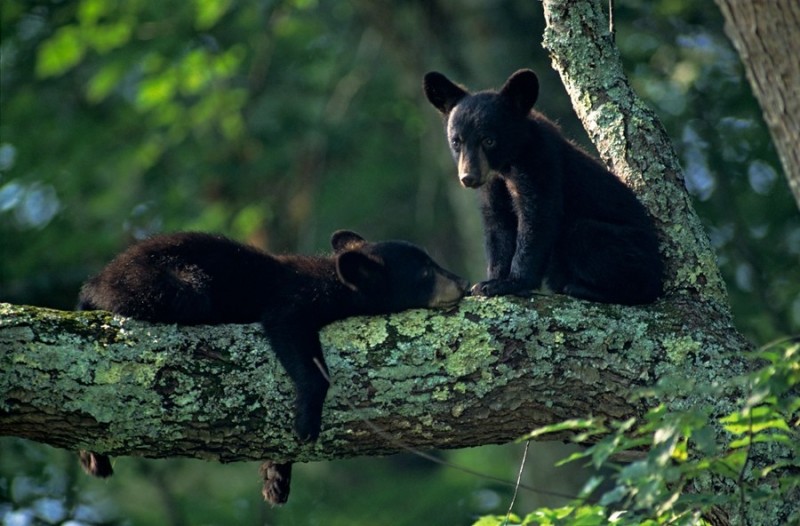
(90, 11)
(762, 438)
(111, 36)
(754, 420)
(574, 456)
(208, 12)
(592, 484)
(733, 463)
(156, 91)
(497, 520)
(566, 425)
(60, 53)
(615, 495)
(705, 440)
(104, 82)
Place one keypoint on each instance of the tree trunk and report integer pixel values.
(766, 34)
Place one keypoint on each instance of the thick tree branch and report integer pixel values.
(485, 373)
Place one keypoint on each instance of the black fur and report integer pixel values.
(551, 212)
(194, 278)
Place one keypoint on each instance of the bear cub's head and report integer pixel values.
(394, 275)
(487, 130)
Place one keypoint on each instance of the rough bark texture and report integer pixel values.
(766, 33)
(488, 372)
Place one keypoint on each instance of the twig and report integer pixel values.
(519, 478)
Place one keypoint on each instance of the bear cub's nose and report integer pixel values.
(470, 180)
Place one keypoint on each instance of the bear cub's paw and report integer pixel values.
(277, 479)
(307, 424)
(503, 287)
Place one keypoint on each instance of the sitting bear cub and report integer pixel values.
(551, 213)
(194, 278)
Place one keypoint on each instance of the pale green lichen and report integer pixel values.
(410, 324)
(360, 333)
(679, 348)
(440, 394)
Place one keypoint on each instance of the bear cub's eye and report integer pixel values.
(488, 142)
(455, 142)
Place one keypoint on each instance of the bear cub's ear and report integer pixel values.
(441, 92)
(522, 88)
(359, 271)
(342, 240)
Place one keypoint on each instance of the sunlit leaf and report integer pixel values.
(754, 420)
(574, 456)
(734, 461)
(194, 72)
(208, 12)
(765, 438)
(107, 37)
(229, 62)
(497, 520)
(104, 82)
(566, 425)
(60, 53)
(90, 11)
(156, 90)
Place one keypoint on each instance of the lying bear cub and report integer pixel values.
(194, 278)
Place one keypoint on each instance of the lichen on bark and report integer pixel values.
(486, 372)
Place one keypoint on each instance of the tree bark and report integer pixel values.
(766, 34)
(487, 372)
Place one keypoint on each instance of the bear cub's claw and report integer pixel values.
(502, 287)
(307, 426)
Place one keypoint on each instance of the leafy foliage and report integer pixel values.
(680, 451)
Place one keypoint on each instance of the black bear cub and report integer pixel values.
(552, 214)
(194, 278)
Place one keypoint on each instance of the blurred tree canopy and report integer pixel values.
(277, 122)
